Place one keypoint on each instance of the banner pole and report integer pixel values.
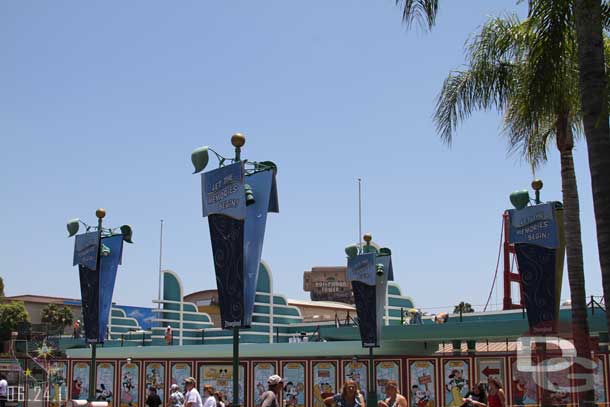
(235, 366)
(371, 399)
(100, 213)
(92, 384)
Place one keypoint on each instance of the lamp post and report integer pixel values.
(368, 270)
(236, 198)
(97, 254)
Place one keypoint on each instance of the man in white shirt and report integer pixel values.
(208, 395)
(3, 391)
(192, 397)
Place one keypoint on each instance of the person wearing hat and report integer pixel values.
(192, 398)
(176, 399)
(270, 397)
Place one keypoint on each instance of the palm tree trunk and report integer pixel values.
(576, 273)
(594, 97)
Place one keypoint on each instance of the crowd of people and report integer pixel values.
(480, 395)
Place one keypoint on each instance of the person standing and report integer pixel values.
(349, 396)
(176, 399)
(270, 397)
(393, 397)
(76, 328)
(477, 397)
(496, 397)
(3, 391)
(192, 397)
(219, 399)
(169, 336)
(153, 399)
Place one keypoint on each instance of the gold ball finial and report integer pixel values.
(100, 213)
(537, 184)
(238, 140)
(367, 237)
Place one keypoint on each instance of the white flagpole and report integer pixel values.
(160, 264)
(360, 213)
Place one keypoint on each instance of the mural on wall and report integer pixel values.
(262, 371)
(358, 372)
(143, 315)
(422, 386)
(523, 387)
(80, 381)
(490, 367)
(294, 383)
(386, 371)
(456, 375)
(559, 378)
(179, 372)
(58, 389)
(104, 382)
(220, 377)
(154, 374)
(324, 381)
(598, 380)
(130, 380)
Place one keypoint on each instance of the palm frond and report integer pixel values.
(421, 11)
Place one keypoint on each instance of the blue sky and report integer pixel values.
(102, 104)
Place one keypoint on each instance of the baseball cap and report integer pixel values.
(274, 379)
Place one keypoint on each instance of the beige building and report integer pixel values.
(35, 303)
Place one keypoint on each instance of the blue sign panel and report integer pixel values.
(108, 269)
(256, 219)
(362, 268)
(534, 225)
(224, 192)
(86, 250)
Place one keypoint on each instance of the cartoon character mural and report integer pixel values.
(523, 387)
(154, 374)
(423, 382)
(294, 387)
(324, 379)
(104, 383)
(58, 384)
(598, 380)
(358, 372)
(386, 371)
(456, 381)
(80, 381)
(130, 376)
(179, 373)
(221, 378)
(262, 371)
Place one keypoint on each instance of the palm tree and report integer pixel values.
(590, 16)
(540, 101)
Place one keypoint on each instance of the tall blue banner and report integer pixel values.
(237, 230)
(537, 233)
(97, 280)
(368, 274)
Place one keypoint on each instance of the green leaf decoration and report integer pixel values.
(270, 164)
(369, 249)
(520, 199)
(200, 158)
(127, 233)
(351, 251)
(72, 226)
(385, 251)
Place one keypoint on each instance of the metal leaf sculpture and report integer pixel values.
(72, 226)
(200, 158)
(127, 233)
